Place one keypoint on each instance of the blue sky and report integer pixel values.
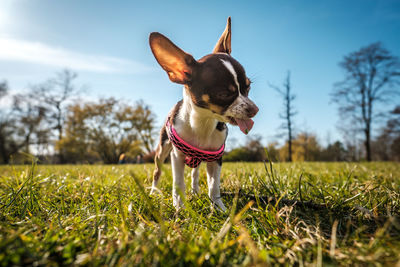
(106, 43)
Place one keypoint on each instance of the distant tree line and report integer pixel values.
(307, 147)
(52, 121)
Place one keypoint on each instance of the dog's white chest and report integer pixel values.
(201, 133)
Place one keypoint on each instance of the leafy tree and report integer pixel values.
(273, 151)
(238, 154)
(142, 120)
(256, 148)
(106, 128)
(305, 148)
(75, 144)
(334, 152)
(252, 151)
(371, 76)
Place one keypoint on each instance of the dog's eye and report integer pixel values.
(224, 95)
(246, 90)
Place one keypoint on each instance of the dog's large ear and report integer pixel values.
(177, 63)
(224, 43)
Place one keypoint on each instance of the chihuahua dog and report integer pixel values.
(215, 92)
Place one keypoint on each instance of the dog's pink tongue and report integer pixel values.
(245, 125)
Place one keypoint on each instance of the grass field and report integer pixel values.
(292, 214)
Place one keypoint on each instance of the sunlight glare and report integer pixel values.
(5, 16)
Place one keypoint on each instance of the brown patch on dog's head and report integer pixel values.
(215, 108)
(232, 88)
(205, 98)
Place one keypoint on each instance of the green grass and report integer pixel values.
(345, 214)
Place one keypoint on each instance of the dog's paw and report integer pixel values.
(178, 203)
(155, 191)
(195, 192)
(219, 205)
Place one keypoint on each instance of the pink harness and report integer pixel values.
(194, 156)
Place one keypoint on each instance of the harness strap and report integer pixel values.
(194, 155)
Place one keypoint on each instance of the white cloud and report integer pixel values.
(40, 53)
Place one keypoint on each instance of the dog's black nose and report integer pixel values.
(252, 111)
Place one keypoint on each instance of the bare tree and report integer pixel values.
(371, 76)
(3, 89)
(387, 144)
(8, 146)
(142, 121)
(29, 116)
(21, 125)
(288, 111)
(56, 94)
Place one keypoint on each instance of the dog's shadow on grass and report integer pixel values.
(347, 220)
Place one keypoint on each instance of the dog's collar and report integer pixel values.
(194, 155)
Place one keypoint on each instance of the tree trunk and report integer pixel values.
(3, 151)
(367, 143)
(290, 146)
(60, 131)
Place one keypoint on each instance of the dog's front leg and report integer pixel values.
(195, 180)
(213, 180)
(178, 186)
